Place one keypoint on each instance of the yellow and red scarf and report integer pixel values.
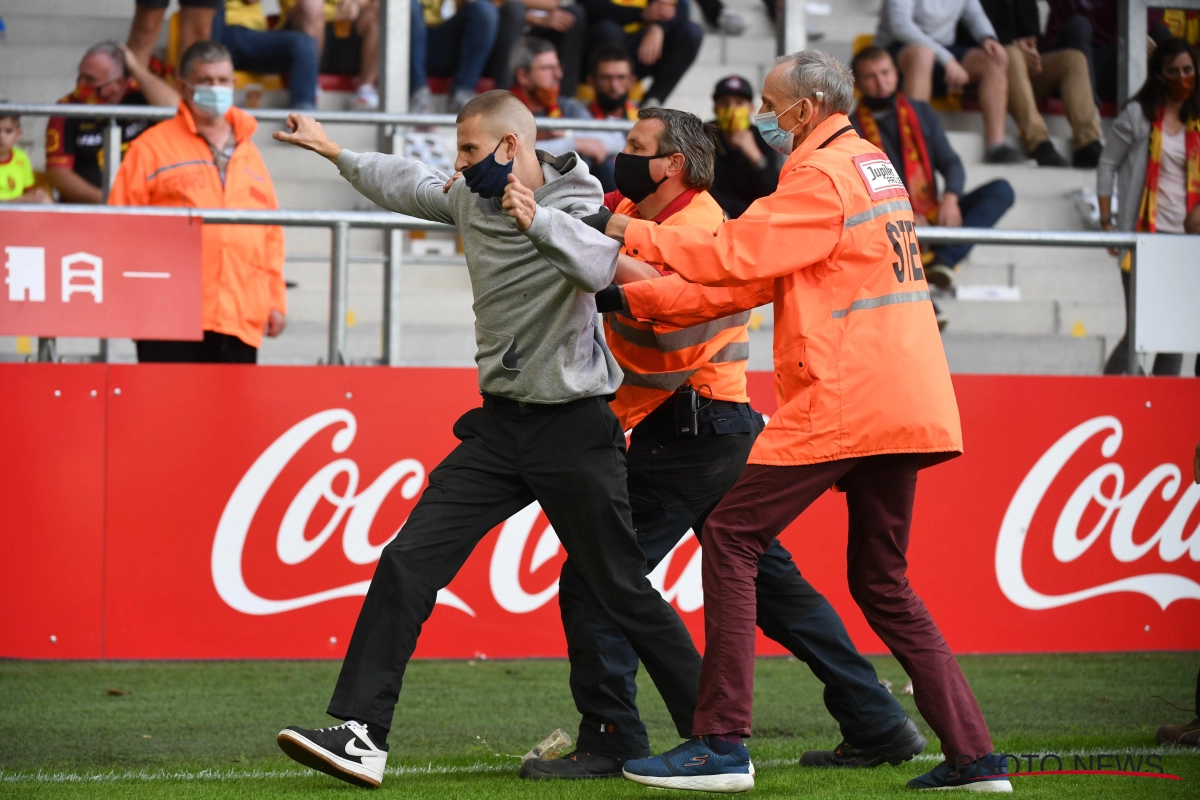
(918, 169)
(1148, 211)
(631, 111)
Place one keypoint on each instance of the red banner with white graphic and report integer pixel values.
(132, 276)
(193, 511)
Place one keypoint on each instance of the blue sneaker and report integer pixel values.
(985, 774)
(693, 765)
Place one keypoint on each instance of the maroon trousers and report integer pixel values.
(879, 494)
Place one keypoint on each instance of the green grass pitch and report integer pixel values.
(207, 730)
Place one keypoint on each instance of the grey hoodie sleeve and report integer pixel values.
(398, 184)
(585, 257)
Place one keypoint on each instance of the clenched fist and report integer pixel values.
(519, 203)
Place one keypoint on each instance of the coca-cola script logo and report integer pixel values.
(356, 511)
(1121, 509)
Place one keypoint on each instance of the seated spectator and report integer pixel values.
(659, 34)
(455, 47)
(1089, 26)
(920, 35)
(195, 25)
(745, 168)
(204, 158)
(563, 26)
(536, 81)
(911, 135)
(610, 77)
(1034, 76)
(109, 74)
(1153, 151)
(242, 27)
(352, 29)
(16, 172)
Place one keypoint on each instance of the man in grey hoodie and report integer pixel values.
(544, 433)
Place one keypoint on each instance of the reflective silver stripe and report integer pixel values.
(877, 211)
(667, 381)
(734, 351)
(885, 300)
(676, 340)
(178, 164)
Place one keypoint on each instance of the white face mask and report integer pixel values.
(768, 127)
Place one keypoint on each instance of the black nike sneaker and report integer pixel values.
(905, 743)
(344, 751)
(573, 766)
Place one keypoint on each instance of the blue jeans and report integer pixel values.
(272, 52)
(981, 208)
(457, 48)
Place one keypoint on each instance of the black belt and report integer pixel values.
(507, 403)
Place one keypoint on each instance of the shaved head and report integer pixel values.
(501, 113)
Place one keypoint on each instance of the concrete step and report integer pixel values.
(42, 30)
(1048, 354)
(420, 345)
(70, 9)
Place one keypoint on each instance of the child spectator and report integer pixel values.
(16, 173)
(1034, 75)
(109, 74)
(921, 36)
(659, 34)
(457, 47)
(610, 76)
(909, 132)
(745, 168)
(242, 27)
(1153, 152)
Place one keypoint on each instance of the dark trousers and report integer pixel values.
(1165, 364)
(290, 52)
(571, 459)
(981, 208)
(1077, 34)
(216, 348)
(879, 495)
(571, 45)
(681, 44)
(673, 485)
(458, 48)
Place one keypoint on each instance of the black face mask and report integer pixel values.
(488, 178)
(610, 104)
(632, 176)
(879, 103)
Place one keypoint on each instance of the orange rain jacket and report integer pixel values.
(657, 353)
(859, 364)
(242, 270)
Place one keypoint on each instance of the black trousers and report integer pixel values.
(681, 45)
(216, 348)
(571, 459)
(673, 485)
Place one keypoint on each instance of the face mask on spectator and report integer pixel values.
(487, 178)
(213, 100)
(632, 175)
(733, 118)
(768, 126)
(609, 104)
(1179, 87)
(879, 103)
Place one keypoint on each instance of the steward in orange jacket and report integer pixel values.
(176, 163)
(684, 396)
(865, 400)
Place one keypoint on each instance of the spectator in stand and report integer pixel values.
(610, 76)
(204, 158)
(242, 28)
(1089, 26)
(1034, 76)
(351, 27)
(725, 21)
(195, 25)
(109, 74)
(17, 184)
(911, 135)
(563, 25)
(920, 35)
(745, 168)
(659, 34)
(536, 81)
(309, 17)
(457, 47)
(1153, 151)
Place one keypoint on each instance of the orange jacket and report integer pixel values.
(242, 271)
(859, 365)
(657, 353)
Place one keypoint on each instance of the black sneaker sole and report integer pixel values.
(310, 755)
(904, 748)
(558, 776)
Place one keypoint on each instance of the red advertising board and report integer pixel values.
(128, 276)
(237, 512)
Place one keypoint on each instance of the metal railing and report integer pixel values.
(340, 222)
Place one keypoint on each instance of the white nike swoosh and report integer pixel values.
(354, 750)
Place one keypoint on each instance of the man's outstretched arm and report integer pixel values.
(393, 182)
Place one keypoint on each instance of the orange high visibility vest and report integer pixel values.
(659, 355)
(859, 364)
